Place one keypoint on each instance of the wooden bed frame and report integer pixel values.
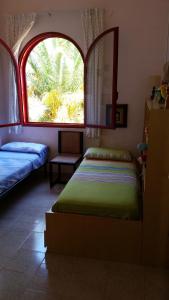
(95, 237)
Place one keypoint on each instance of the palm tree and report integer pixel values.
(54, 65)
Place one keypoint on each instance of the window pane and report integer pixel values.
(99, 82)
(55, 82)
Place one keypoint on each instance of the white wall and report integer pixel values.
(142, 48)
(3, 135)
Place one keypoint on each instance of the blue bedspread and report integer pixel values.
(15, 166)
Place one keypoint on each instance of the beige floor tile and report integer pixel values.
(11, 295)
(27, 273)
(3, 261)
(4, 230)
(35, 242)
(25, 261)
(156, 283)
(12, 241)
(125, 270)
(11, 281)
(121, 289)
(6, 221)
(71, 278)
(42, 281)
(31, 215)
(27, 224)
(6, 224)
(40, 227)
(40, 295)
(125, 282)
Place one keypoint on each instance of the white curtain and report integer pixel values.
(93, 25)
(18, 26)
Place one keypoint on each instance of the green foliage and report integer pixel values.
(74, 110)
(55, 69)
(52, 101)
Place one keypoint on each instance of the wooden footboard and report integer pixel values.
(92, 236)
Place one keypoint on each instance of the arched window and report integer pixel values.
(62, 87)
(52, 79)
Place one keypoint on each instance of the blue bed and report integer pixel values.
(18, 160)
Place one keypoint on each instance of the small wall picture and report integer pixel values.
(121, 115)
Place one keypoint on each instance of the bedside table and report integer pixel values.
(62, 159)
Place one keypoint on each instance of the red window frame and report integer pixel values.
(23, 57)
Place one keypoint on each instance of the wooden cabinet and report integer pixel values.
(156, 194)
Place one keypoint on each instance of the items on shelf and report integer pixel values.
(167, 99)
(143, 153)
(160, 96)
(160, 92)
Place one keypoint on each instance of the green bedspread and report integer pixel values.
(102, 188)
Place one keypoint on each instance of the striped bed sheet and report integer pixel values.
(102, 188)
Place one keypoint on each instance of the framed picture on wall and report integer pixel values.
(121, 115)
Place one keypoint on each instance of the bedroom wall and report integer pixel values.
(3, 135)
(142, 49)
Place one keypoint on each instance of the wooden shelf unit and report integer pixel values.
(156, 194)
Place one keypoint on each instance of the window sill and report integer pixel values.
(55, 125)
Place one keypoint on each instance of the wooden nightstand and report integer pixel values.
(59, 160)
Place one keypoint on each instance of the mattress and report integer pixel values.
(102, 188)
(15, 166)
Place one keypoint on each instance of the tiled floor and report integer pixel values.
(26, 273)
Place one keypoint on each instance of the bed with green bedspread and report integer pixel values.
(102, 188)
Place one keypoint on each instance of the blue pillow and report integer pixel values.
(24, 147)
